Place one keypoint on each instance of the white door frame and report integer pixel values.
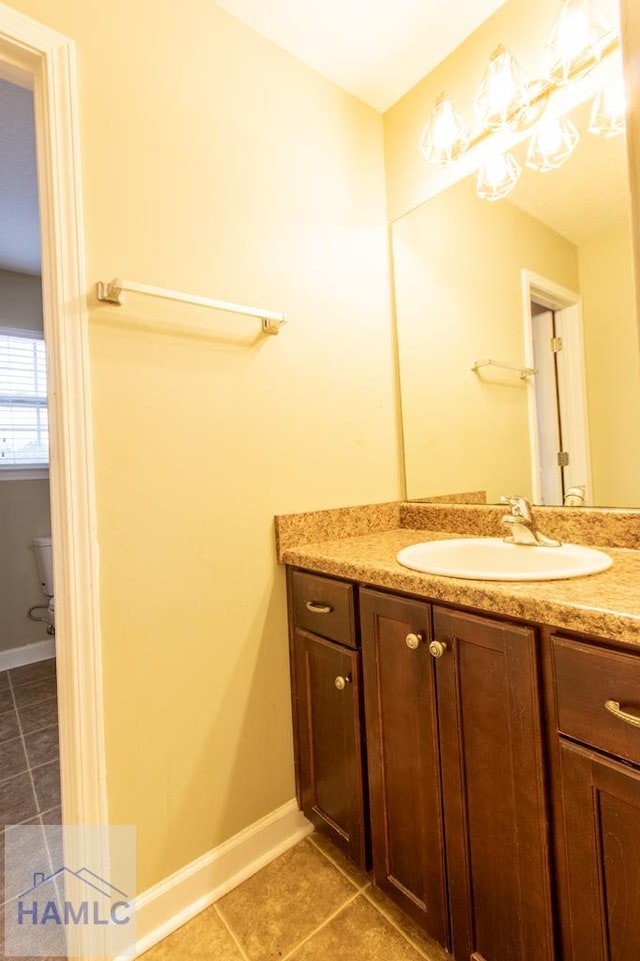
(35, 56)
(555, 297)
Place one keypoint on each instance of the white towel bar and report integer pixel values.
(523, 371)
(111, 293)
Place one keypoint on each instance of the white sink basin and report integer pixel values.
(491, 559)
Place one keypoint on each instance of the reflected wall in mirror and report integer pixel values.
(477, 280)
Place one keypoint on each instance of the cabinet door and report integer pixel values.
(327, 679)
(493, 787)
(601, 805)
(403, 758)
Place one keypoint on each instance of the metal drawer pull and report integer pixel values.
(341, 682)
(614, 708)
(437, 648)
(413, 641)
(317, 608)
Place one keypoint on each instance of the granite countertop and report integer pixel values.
(606, 604)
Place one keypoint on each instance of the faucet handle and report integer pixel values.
(520, 506)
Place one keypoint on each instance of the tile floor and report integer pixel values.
(29, 754)
(310, 904)
(29, 765)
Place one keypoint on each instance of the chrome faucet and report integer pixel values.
(522, 524)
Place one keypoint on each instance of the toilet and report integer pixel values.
(42, 552)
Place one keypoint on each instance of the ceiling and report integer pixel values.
(19, 220)
(375, 49)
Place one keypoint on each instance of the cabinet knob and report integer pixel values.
(342, 682)
(437, 648)
(413, 641)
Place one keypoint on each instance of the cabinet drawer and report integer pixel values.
(324, 606)
(588, 677)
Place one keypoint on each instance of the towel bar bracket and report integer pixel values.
(109, 293)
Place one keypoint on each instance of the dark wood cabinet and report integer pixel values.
(456, 776)
(328, 714)
(601, 803)
(598, 798)
(503, 815)
(403, 757)
(493, 785)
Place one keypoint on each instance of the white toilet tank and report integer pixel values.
(42, 551)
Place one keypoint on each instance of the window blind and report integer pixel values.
(24, 421)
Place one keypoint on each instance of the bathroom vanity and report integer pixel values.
(475, 745)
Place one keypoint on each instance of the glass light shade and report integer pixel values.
(445, 138)
(497, 176)
(576, 41)
(502, 95)
(608, 110)
(553, 142)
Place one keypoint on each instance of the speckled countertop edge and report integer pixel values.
(606, 605)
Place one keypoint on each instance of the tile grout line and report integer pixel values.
(41, 700)
(339, 868)
(227, 926)
(35, 767)
(332, 917)
(24, 746)
(394, 924)
(38, 680)
(363, 891)
(38, 730)
(12, 777)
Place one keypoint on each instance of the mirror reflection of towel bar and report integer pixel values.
(111, 293)
(524, 372)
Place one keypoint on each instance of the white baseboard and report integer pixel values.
(174, 901)
(29, 654)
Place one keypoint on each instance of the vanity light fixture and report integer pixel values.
(608, 110)
(553, 142)
(445, 138)
(506, 100)
(502, 97)
(498, 175)
(576, 42)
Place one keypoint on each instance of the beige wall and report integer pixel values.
(24, 514)
(217, 164)
(612, 357)
(458, 262)
(630, 15)
(20, 300)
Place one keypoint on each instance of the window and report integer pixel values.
(24, 421)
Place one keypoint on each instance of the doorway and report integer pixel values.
(29, 768)
(42, 60)
(557, 397)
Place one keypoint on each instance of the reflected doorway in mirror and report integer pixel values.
(558, 413)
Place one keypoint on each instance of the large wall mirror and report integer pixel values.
(512, 281)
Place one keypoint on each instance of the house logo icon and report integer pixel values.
(70, 891)
(94, 901)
